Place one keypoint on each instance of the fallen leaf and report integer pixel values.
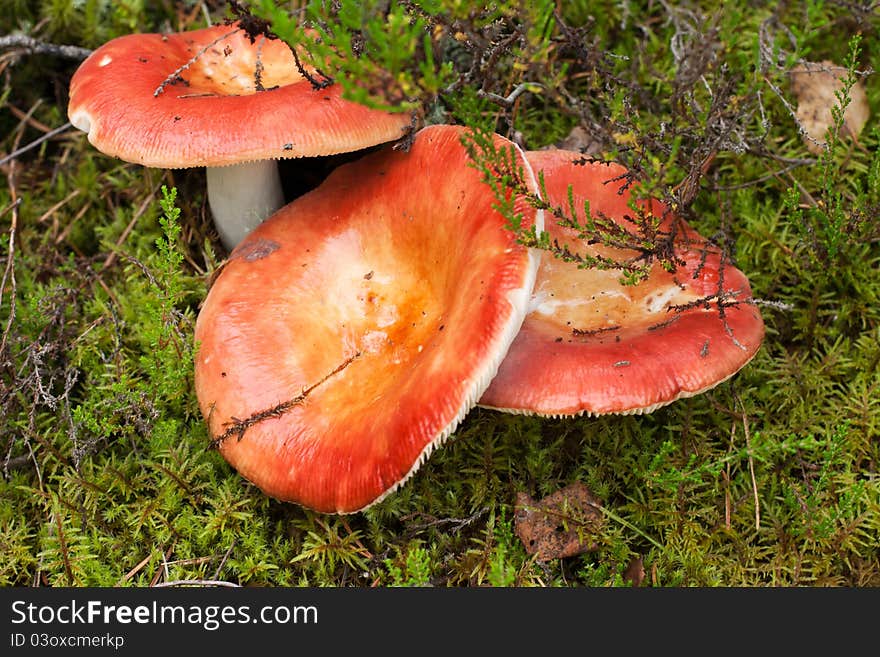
(560, 525)
(814, 85)
(635, 572)
(580, 140)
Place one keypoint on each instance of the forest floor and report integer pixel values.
(769, 479)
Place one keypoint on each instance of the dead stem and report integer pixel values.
(664, 323)
(134, 571)
(27, 118)
(769, 176)
(745, 421)
(751, 468)
(164, 569)
(317, 84)
(223, 560)
(57, 206)
(596, 331)
(33, 46)
(63, 546)
(727, 477)
(9, 271)
(510, 99)
(196, 582)
(111, 257)
(238, 427)
(721, 300)
(452, 524)
(36, 142)
(175, 75)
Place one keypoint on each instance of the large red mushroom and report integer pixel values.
(217, 98)
(349, 334)
(592, 345)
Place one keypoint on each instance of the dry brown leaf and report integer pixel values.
(581, 140)
(560, 525)
(814, 85)
(578, 140)
(635, 571)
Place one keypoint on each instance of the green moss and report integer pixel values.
(768, 479)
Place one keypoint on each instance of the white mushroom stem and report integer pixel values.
(241, 196)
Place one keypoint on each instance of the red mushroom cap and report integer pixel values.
(592, 345)
(190, 99)
(352, 330)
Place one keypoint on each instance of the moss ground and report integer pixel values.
(769, 479)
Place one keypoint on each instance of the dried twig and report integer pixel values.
(196, 582)
(164, 568)
(57, 206)
(223, 561)
(237, 427)
(510, 99)
(134, 571)
(727, 477)
(62, 542)
(745, 419)
(34, 46)
(27, 118)
(36, 142)
(451, 524)
(174, 76)
(9, 270)
(111, 257)
(773, 174)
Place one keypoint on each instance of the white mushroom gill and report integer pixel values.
(241, 196)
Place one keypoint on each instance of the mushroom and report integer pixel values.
(349, 334)
(215, 98)
(591, 345)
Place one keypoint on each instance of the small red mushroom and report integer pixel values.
(213, 98)
(349, 334)
(591, 345)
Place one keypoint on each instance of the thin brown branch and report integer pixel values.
(9, 271)
(134, 571)
(36, 142)
(111, 257)
(508, 101)
(223, 561)
(752, 470)
(27, 118)
(174, 76)
(317, 84)
(63, 547)
(745, 421)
